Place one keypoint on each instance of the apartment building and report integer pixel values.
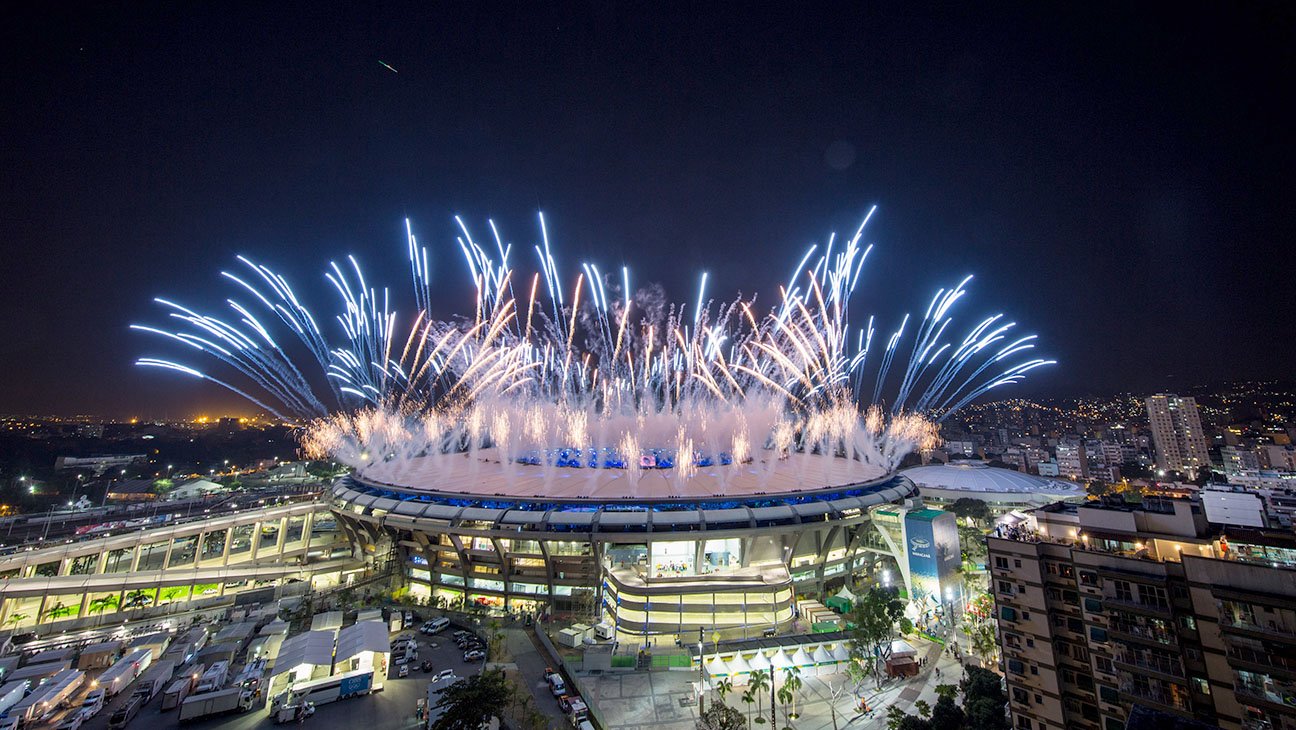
(1104, 608)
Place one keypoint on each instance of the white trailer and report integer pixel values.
(177, 692)
(119, 676)
(47, 698)
(12, 693)
(214, 678)
(215, 703)
(152, 681)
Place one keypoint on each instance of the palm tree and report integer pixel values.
(723, 688)
(757, 685)
(791, 683)
(748, 697)
(103, 603)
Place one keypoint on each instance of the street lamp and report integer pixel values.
(701, 673)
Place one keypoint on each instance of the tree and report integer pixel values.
(923, 708)
(874, 616)
(835, 691)
(756, 686)
(470, 702)
(898, 720)
(1097, 488)
(972, 510)
(723, 688)
(984, 701)
(982, 636)
(791, 685)
(721, 717)
(946, 715)
(495, 642)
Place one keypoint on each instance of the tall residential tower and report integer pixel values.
(1177, 433)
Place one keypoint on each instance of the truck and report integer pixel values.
(47, 698)
(152, 681)
(251, 676)
(214, 678)
(320, 692)
(177, 692)
(122, 716)
(117, 677)
(221, 702)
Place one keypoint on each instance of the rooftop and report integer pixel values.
(978, 476)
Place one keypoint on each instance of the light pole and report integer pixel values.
(701, 673)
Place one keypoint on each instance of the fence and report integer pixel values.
(595, 716)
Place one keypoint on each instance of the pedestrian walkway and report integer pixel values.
(667, 700)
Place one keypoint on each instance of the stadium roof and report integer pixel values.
(485, 474)
(979, 477)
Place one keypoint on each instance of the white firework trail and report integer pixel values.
(575, 377)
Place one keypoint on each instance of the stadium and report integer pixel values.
(660, 556)
(595, 450)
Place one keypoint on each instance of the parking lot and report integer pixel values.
(394, 707)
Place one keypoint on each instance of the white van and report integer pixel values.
(438, 625)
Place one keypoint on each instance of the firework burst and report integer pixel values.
(585, 373)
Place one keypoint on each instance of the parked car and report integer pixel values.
(474, 655)
(403, 672)
(569, 703)
(556, 685)
(426, 666)
(444, 674)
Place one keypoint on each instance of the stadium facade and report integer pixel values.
(724, 547)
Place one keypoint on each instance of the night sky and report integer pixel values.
(1118, 178)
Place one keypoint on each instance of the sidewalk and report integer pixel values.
(665, 700)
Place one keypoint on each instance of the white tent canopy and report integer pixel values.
(716, 667)
(802, 659)
(738, 665)
(361, 637)
(841, 653)
(821, 655)
(845, 593)
(312, 648)
(759, 663)
(780, 660)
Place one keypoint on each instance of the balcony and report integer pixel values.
(1144, 633)
(1256, 691)
(1230, 622)
(1158, 696)
(1262, 660)
(1137, 606)
(1151, 663)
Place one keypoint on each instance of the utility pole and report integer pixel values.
(701, 674)
(773, 695)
